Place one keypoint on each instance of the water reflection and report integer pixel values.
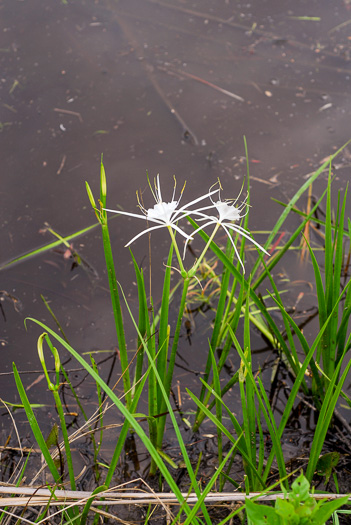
(166, 86)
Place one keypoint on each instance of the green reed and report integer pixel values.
(324, 360)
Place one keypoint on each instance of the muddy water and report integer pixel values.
(165, 86)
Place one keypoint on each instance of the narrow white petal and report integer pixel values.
(245, 233)
(196, 212)
(185, 247)
(194, 232)
(126, 213)
(202, 197)
(138, 216)
(158, 192)
(214, 221)
(210, 207)
(184, 208)
(175, 227)
(143, 232)
(235, 248)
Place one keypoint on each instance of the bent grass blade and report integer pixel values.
(130, 419)
(47, 247)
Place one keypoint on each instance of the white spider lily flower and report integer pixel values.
(164, 214)
(228, 215)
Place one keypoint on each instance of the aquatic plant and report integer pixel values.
(318, 368)
(167, 214)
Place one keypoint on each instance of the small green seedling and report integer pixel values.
(297, 507)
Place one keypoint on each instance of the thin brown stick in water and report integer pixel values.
(186, 131)
(69, 112)
(61, 165)
(207, 83)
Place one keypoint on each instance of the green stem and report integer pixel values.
(65, 438)
(193, 270)
(174, 242)
(117, 312)
(162, 421)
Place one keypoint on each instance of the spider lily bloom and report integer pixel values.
(164, 214)
(228, 214)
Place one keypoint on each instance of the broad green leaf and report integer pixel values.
(261, 514)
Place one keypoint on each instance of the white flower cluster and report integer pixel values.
(167, 214)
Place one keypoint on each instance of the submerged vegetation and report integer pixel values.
(250, 452)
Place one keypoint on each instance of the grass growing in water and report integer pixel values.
(319, 369)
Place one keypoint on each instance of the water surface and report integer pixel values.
(165, 86)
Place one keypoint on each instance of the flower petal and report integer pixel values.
(235, 248)
(184, 209)
(214, 221)
(245, 233)
(143, 232)
(158, 189)
(137, 215)
(175, 227)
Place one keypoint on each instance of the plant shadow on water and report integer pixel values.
(196, 84)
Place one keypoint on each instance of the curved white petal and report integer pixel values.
(196, 212)
(137, 215)
(143, 232)
(212, 221)
(158, 189)
(245, 233)
(126, 213)
(175, 227)
(199, 211)
(183, 209)
(235, 248)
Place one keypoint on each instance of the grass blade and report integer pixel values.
(35, 427)
(47, 247)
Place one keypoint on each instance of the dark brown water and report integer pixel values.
(142, 81)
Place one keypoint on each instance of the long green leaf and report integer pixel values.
(200, 502)
(163, 332)
(238, 429)
(217, 389)
(111, 273)
(144, 327)
(46, 247)
(299, 378)
(325, 415)
(250, 393)
(294, 199)
(35, 427)
(125, 412)
(270, 423)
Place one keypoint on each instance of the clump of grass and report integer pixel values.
(318, 368)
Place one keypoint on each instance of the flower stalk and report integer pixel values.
(54, 388)
(166, 214)
(116, 306)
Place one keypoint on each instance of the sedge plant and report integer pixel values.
(260, 315)
(225, 214)
(156, 345)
